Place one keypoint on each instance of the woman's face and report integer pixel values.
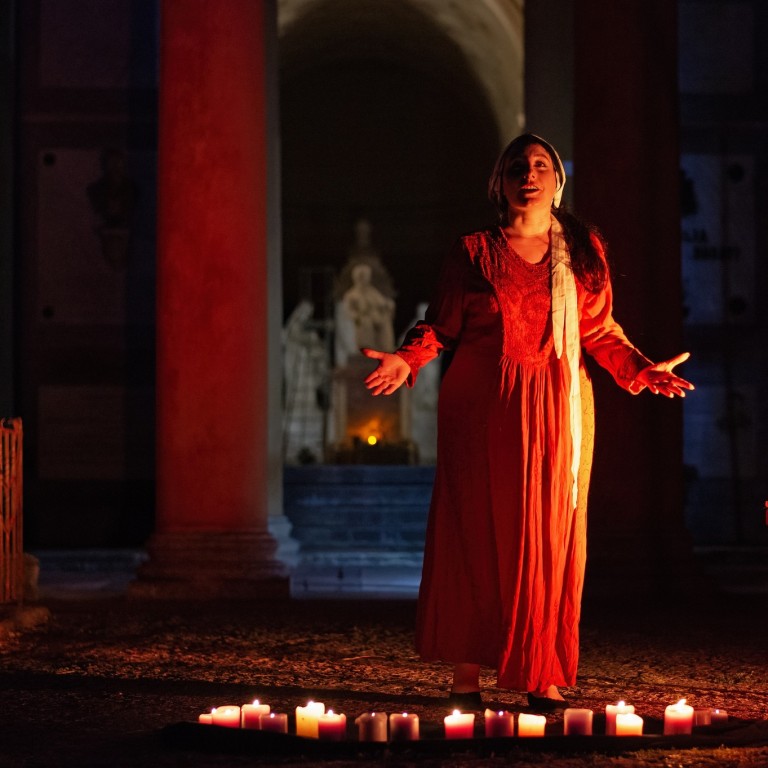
(529, 181)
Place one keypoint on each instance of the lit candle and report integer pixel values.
(577, 722)
(459, 725)
(228, 716)
(702, 717)
(403, 727)
(251, 712)
(372, 726)
(678, 719)
(206, 717)
(718, 717)
(531, 725)
(331, 727)
(274, 722)
(610, 716)
(628, 724)
(499, 724)
(306, 719)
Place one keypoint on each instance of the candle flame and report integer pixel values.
(255, 702)
(680, 704)
(329, 712)
(621, 704)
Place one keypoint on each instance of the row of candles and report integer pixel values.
(312, 721)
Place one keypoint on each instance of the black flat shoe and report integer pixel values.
(466, 702)
(545, 704)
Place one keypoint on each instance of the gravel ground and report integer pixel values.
(98, 683)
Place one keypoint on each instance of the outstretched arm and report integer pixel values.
(660, 379)
(389, 375)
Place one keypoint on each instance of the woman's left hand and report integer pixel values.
(660, 379)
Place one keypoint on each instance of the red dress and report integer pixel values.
(506, 546)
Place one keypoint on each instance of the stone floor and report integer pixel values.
(102, 680)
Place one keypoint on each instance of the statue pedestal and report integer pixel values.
(367, 429)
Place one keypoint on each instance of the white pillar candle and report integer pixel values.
(250, 714)
(531, 725)
(499, 724)
(276, 722)
(306, 719)
(332, 727)
(628, 724)
(228, 716)
(678, 719)
(372, 726)
(610, 716)
(577, 722)
(403, 727)
(459, 725)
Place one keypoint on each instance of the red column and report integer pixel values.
(626, 180)
(212, 414)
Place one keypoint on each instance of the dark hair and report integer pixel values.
(589, 267)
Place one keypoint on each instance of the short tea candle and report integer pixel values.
(331, 727)
(611, 711)
(499, 724)
(628, 724)
(306, 719)
(403, 727)
(228, 716)
(718, 717)
(459, 725)
(702, 716)
(678, 719)
(206, 718)
(531, 725)
(372, 726)
(274, 722)
(577, 722)
(250, 714)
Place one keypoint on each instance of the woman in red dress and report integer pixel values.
(506, 539)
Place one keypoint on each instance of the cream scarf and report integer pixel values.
(565, 325)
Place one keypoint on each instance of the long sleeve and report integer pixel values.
(444, 318)
(604, 339)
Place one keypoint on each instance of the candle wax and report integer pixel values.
(403, 727)
(610, 715)
(577, 722)
(251, 713)
(332, 727)
(678, 719)
(306, 719)
(275, 722)
(531, 725)
(228, 716)
(459, 726)
(628, 724)
(372, 726)
(499, 724)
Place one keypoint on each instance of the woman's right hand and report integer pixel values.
(389, 375)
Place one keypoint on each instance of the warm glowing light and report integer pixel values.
(680, 704)
(372, 440)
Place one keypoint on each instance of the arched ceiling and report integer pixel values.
(474, 44)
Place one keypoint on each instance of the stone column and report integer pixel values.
(211, 537)
(626, 180)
